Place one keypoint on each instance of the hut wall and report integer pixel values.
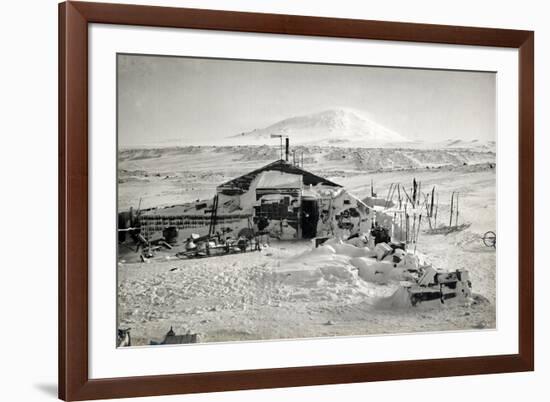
(342, 214)
(187, 224)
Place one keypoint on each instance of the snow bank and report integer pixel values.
(398, 301)
(338, 274)
(380, 272)
(351, 251)
(302, 276)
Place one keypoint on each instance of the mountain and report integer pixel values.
(340, 127)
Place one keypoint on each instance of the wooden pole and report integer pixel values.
(432, 203)
(456, 219)
(407, 238)
(392, 194)
(400, 225)
(406, 225)
(436, 209)
(414, 228)
(409, 198)
(390, 201)
(426, 204)
(399, 195)
(451, 214)
(417, 233)
(388, 196)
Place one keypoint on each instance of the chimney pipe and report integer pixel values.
(287, 146)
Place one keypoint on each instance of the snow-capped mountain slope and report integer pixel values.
(330, 127)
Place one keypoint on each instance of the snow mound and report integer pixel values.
(301, 275)
(398, 301)
(351, 251)
(380, 272)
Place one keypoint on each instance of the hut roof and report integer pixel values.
(242, 183)
(275, 179)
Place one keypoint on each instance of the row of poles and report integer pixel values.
(413, 207)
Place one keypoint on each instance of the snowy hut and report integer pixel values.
(292, 203)
(280, 198)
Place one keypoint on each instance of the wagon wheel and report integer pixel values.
(490, 239)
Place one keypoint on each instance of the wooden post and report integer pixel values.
(389, 201)
(388, 196)
(414, 228)
(399, 195)
(451, 214)
(406, 225)
(409, 198)
(456, 220)
(436, 209)
(400, 225)
(417, 233)
(426, 204)
(432, 203)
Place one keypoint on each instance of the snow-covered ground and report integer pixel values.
(167, 176)
(276, 293)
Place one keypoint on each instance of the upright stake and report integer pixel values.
(388, 196)
(436, 209)
(432, 203)
(391, 195)
(406, 225)
(400, 225)
(409, 198)
(451, 214)
(414, 228)
(426, 202)
(417, 233)
(456, 220)
(399, 195)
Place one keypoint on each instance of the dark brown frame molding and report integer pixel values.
(74, 383)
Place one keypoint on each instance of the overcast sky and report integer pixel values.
(163, 100)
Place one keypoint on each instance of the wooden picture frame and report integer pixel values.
(74, 381)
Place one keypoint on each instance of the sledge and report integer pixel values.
(211, 248)
(440, 285)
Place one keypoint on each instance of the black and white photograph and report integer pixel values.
(275, 200)
(271, 200)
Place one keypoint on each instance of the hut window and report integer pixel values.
(347, 202)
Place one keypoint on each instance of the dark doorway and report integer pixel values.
(310, 216)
